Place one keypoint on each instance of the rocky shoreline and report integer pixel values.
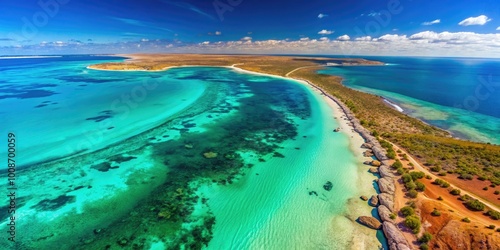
(395, 237)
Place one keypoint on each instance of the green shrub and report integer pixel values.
(406, 178)
(397, 164)
(424, 247)
(497, 192)
(401, 170)
(419, 186)
(440, 198)
(426, 237)
(436, 169)
(466, 176)
(498, 229)
(475, 205)
(465, 197)
(413, 193)
(494, 214)
(466, 220)
(455, 192)
(407, 211)
(428, 177)
(413, 222)
(491, 227)
(485, 188)
(435, 212)
(442, 173)
(410, 185)
(392, 216)
(415, 175)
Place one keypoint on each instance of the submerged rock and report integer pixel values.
(210, 155)
(313, 193)
(328, 186)
(188, 146)
(370, 222)
(373, 201)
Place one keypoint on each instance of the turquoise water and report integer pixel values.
(193, 157)
(461, 95)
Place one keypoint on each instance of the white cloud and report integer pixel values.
(322, 15)
(364, 38)
(390, 37)
(427, 43)
(374, 14)
(325, 32)
(344, 38)
(247, 38)
(432, 22)
(218, 33)
(479, 20)
(144, 40)
(498, 28)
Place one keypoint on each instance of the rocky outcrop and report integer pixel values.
(373, 201)
(384, 213)
(363, 198)
(373, 170)
(370, 222)
(386, 185)
(385, 171)
(375, 163)
(394, 237)
(386, 200)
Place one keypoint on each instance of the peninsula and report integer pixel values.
(435, 190)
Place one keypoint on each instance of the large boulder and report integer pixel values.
(385, 171)
(373, 201)
(395, 238)
(386, 185)
(376, 163)
(373, 170)
(370, 222)
(380, 153)
(386, 200)
(384, 213)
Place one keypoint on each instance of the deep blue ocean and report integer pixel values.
(461, 95)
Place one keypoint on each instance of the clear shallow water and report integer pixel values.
(460, 95)
(233, 169)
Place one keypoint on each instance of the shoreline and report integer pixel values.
(344, 121)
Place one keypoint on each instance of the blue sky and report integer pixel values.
(388, 27)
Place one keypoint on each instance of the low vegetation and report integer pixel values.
(413, 222)
(474, 205)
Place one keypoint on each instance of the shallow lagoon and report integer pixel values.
(235, 168)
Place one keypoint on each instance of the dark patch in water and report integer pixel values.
(121, 159)
(106, 114)
(54, 204)
(103, 167)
